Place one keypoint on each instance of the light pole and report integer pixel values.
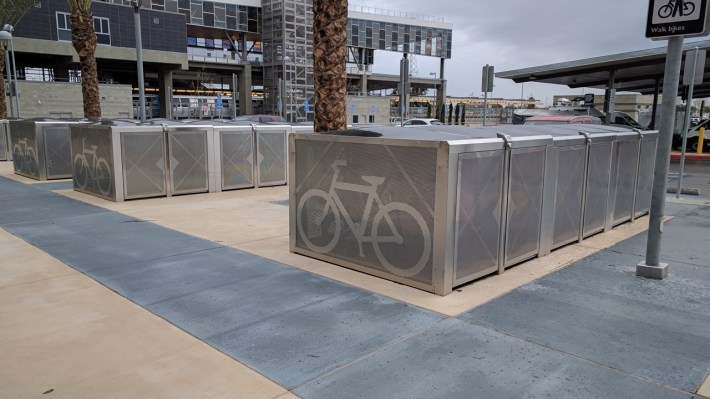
(139, 58)
(6, 37)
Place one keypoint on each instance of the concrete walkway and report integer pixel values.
(198, 296)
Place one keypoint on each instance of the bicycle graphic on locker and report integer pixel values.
(325, 209)
(99, 170)
(676, 8)
(24, 157)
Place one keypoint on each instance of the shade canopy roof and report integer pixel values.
(636, 71)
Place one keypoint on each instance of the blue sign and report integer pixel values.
(421, 110)
(352, 108)
(372, 109)
(218, 103)
(306, 106)
(280, 106)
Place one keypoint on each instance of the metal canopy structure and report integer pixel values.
(637, 71)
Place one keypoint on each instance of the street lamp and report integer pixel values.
(139, 58)
(6, 37)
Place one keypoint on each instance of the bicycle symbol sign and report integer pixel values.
(320, 215)
(676, 18)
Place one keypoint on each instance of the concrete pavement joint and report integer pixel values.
(383, 348)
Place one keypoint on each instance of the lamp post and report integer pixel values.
(6, 37)
(139, 58)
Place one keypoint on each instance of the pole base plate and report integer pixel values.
(659, 272)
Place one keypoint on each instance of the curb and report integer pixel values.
(694, 157)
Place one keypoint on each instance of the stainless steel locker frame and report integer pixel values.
(220, 133)
(624, 169)
(5, 147)
(114, 148)
(597, 182)
(52, 161)
(644, 180)
(261, 179)
(516, 147)
(459, 153)
(553, 209)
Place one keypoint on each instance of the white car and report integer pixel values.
(421, 122)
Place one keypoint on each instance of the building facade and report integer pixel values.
(260, 49)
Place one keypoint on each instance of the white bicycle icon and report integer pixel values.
(24, 157)
(99, 170)
(321, 227)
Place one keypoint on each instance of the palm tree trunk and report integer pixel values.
(330, 22)
(3, 95)
(84, 41)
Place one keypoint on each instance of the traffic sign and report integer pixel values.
(306, 106)
(668, 18)
(218, 103)
(372, 108)
(352, 108)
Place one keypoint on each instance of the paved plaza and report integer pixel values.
(198, 296)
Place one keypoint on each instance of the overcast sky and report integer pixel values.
(514, 34)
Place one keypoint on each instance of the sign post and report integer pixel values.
(667, 20)
(486, 87)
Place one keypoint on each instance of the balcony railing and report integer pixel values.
(392, 13)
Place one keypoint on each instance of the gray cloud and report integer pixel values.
(513, 34)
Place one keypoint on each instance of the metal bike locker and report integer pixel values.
(523, 197)
(647, 161)
(624, 170)
(5, 154)
(271, 155)
(235, 156)
(191, 155)
(403, 175)
(598, 182)
(565, 168)
(135, 155)
(42, 148)
(478, 172)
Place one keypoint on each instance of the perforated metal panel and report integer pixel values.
(271, 157)
(478, 214)
(568, 196)
(25, 158)
(57, 151)
(527, 166)
(645, 179)
(4, 142)
(597, 194)
(237, 159)
(143, 159)
(188, 161)
(92, 165)
(627, 153)
(370, 205)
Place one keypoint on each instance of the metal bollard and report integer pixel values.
(701, 140)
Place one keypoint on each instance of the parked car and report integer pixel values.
(421, 122)
(260, 118)
(562, 119)
(691, 143)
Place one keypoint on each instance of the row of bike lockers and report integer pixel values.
(121, 159)
(437, 207)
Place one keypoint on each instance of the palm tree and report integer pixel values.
(11, 11)
(330, 22)
(84, 42)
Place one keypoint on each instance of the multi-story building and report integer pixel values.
(259, 48)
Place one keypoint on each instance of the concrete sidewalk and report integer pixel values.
(254, 320)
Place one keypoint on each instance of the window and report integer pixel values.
(101, 27)
(355, 118)
(103, 32)
(63, 26)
